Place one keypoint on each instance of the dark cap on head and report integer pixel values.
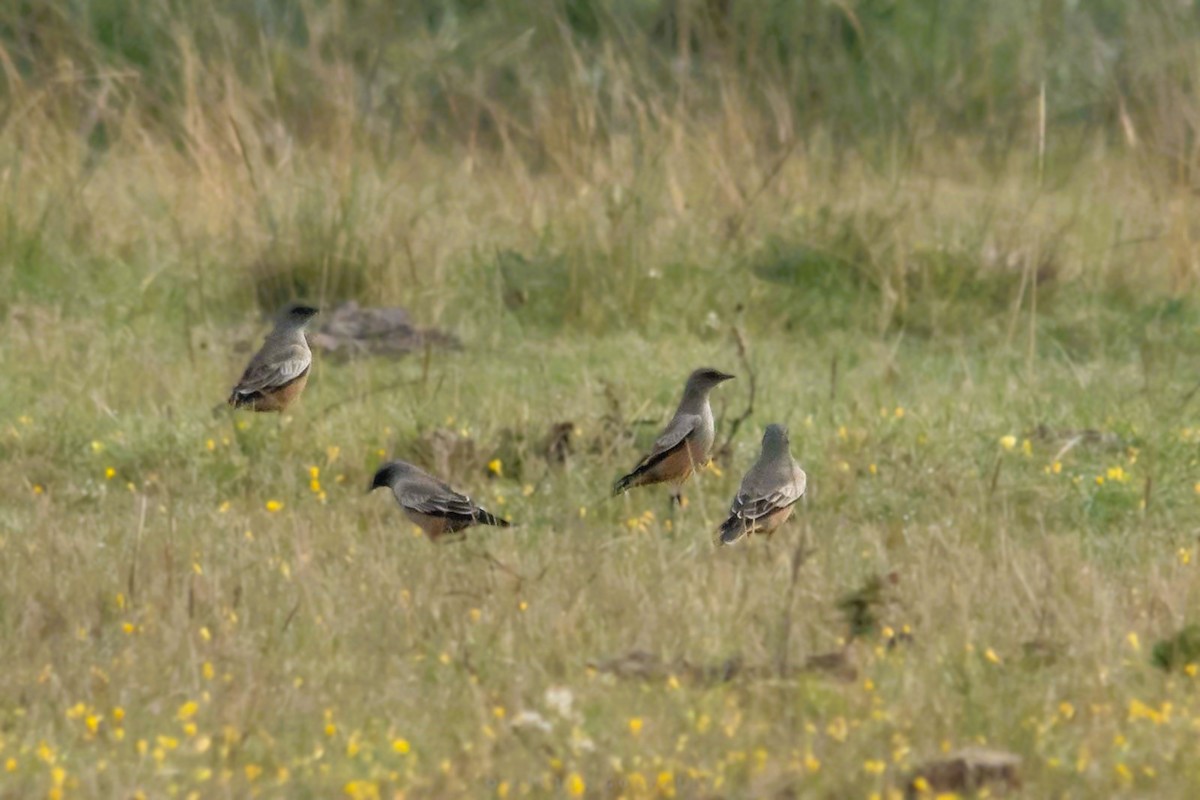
(708, 377)
(298, 312)
(386, 475)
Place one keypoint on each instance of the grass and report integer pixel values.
(984, 351)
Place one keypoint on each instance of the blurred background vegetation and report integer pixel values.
(929, 163)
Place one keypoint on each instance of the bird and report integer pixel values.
(277, 374)
(687, 440)
(769, 490)
(431, 504)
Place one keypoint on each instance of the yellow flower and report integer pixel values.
(400, 746)
(38, 488)
(1008, 442)
(1185, 556)
(1117, 474)
(187, 710)
(811, 762)
(476, 615)
(118, 714)
(575, 785)
(635, 725)
(874, 767)
(109, 473)
(274, 505)
(496, 467)
(330, 729)
(527, 490)
(1132, 639)
(991, 656)
(253, 771)
(10, 765)
(93, 722)
(1066, 710)
(899, 413)
(97, 446)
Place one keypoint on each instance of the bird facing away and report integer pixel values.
(277, 374)
(431, 504)
(687, 440)
(769, 490)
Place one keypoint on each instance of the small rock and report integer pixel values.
(968, 770)
(350, 330)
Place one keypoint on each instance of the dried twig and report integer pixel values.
(726, 448)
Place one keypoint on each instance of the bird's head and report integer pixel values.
(297, 315)
(775, 439)
(387, 475)
(705, 378)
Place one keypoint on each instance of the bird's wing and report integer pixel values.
(432, 497)
(759, 497)
(672, 437)
(438, 503)
(273, 368)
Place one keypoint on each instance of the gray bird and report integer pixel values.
(686, 442)
(769, 490)
(431, 504)
(278, 372)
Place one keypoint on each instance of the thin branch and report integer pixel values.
(726, 448)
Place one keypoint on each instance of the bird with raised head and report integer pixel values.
(769, 490)
(686, 443)
(278, 373)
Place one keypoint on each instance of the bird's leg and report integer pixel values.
(675, 504)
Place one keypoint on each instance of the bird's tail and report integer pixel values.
(239, 400)
(488, 518)
(625, 484)
(731, 530)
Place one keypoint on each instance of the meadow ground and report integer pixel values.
(986, 363)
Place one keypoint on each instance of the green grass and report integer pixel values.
(985, 353)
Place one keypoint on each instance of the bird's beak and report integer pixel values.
(725, 376)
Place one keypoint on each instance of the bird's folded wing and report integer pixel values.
(274, 370)
(676, 432)
(754, 503)
(439, 503)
